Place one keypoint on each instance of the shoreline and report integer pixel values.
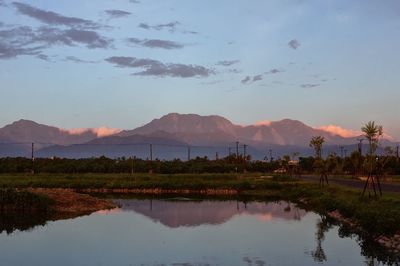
(69, 204)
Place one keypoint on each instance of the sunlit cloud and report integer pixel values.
(337, 130)
(99, 132)
(263, 123)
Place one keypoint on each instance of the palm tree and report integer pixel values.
(316, 143)
(372, 132)
(319, 164)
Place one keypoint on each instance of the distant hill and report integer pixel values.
(30, 131)
(215, 130)
(171, 135)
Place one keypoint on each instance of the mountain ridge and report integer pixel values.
(171, 135)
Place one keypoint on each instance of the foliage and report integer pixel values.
(316, 143)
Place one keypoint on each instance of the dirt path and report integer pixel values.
(355, 183)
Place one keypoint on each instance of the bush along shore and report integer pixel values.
(376, 218)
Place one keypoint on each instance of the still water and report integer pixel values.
(183, 232)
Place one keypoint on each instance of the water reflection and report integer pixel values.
(186, 232)
(174, 214)
(323, 226)
(10, 222)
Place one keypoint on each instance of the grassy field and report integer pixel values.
(375, 216)
(175, 181)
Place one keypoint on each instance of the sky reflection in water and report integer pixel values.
(159, 232)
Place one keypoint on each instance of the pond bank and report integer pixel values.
(68, 204)
(159, 191)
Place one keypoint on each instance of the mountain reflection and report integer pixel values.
(176, 214)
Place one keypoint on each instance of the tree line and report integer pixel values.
(355, 164)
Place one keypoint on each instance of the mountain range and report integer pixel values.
(170, 136)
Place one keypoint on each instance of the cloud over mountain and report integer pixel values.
(337, 130)
(99, 132)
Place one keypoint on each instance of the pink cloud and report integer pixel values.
(263, 123)
(337, 130)
(99, 132)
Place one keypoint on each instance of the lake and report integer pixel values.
(184, 232)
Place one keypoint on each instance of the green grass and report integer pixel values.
(176, 181)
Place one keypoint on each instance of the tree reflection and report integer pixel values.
(9, 222)
(323, 226)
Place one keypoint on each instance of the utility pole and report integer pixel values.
(244, 157)
(237, 149)
(33, 158)
(132, 165)
(151, 159)
(270, 154)
(360, 145)
(216, 156)
(188, 155)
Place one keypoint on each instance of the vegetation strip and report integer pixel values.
(377, 216)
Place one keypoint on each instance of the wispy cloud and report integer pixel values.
(115, 13)
(43, 57)
(155, 43)
(234, 70)
(309, 85)
(53, 18)
(274, 71)
(211, 82)
(227, 62)
(257, 78)
(78, 60)
(170, 26)
(246, 80)
(23, 40)
(158, 69)
(8, 51)
(294, 44)
(249, 79)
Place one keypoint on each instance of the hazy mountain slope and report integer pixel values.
(30, 131)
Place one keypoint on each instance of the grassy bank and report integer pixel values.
(23, 201)
(376, 216)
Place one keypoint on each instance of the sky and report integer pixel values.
(122, 63)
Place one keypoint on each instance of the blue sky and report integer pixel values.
(121, 63)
